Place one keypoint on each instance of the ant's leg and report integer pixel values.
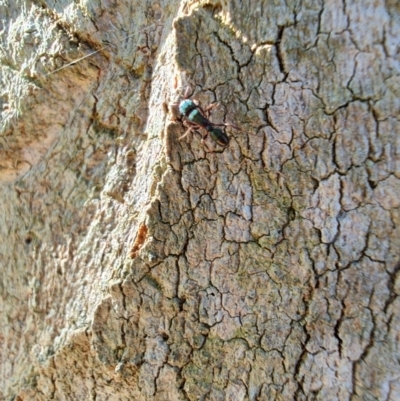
(228, 125)
(191, 124)
(191, 127)
(204, 143)
(207, 110)
(186, 133)
(198, 105)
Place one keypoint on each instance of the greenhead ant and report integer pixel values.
(197, 118)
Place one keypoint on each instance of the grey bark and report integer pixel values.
(139, 266)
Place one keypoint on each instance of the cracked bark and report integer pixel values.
(139, 266)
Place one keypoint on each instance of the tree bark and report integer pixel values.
(140, 266)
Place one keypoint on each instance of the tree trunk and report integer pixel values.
(139, 265)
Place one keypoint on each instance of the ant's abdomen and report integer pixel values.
(219, 136)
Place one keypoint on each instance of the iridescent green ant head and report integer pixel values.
(186, 106)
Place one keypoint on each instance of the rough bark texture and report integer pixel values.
(137, 266)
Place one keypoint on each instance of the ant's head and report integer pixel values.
(186, 106)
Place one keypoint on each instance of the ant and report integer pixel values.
(196, 118)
